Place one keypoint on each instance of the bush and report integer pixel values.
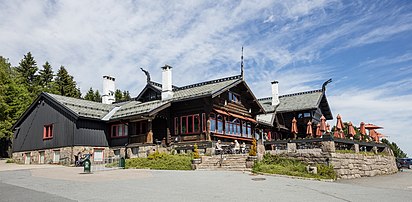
(273, 164)
(10, 161)
(253, 148)
(161, 161)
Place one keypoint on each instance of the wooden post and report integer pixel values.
(167, 136)
(149, 138)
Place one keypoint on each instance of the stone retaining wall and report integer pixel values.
(346, 165)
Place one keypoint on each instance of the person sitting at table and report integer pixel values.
(237, 147)
(218, 147)
(243, 148)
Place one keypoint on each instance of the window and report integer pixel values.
(119, 130)
(48, 131)
(41, 157)
(244, 129)
(117, 153)
(204, 122)
(219, 124)
(176, 126)
(135, 150)
(249, 130)
(212, 119)
(98, 155)
(236, 124)
(190, 124)
(304, 115)
(141, 127)
(233, 97)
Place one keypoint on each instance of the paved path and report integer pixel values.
(56, 183)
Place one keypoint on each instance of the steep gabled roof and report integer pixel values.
(84, 108)
(298, 102)
(135, 108)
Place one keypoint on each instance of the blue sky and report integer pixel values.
(364, 46)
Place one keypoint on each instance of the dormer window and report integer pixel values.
(233, 97)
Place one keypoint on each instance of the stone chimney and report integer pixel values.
(275, 93)
(167, 92)
(108, 90)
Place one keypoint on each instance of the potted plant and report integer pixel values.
(196, 157)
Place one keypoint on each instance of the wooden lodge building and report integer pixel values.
(57, 129)
(54, 129)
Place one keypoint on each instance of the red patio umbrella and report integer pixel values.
(370, 126)
(294, 128)
(318, 132)
(322, 123)
(339, 123)
(336, 133)
(362, 130)
(374, 135)
(309, 130)
(351, 130)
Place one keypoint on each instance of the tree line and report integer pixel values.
(20, 85)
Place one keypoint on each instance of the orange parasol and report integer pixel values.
(322, 123)
(309, 130)
(370, 126)
(362, 130)
(374, 135)
(294, 128)
(336, 133)
(318, 132)
(351, 129)
(339, 124)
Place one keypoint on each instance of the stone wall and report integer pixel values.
(346, 165)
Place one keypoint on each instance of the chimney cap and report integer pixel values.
(109, 77)
(166, 67)
(273, 82)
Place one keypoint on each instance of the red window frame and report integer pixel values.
(185, 119)
(204, 122)
(124, 131)
(48, 131)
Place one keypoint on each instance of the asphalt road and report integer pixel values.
(57, 183)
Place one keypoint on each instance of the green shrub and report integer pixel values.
(10, 161)
(253, 148)
(161, 161)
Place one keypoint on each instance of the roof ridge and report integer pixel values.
(209, 82)
(292, 94)
(159, 84)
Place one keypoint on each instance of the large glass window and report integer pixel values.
(249, 130)
(233, 97)
(183, 124)
(212, 119)
(244, 130)
(219, 124)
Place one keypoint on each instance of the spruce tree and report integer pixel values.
(65, 84)
(45, 78)
(118, 95)
(97, 96)
(89, 95)
(126, 96)
(27, 70)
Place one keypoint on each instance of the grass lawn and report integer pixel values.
(283, 166)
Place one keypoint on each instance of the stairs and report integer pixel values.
(231, 162)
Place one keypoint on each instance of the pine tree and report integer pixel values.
(118, 95)
(126, 96)
(27, 70)
(97, 96)
(65, 84)
(89, 95)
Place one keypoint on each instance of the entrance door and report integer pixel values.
(27, 159)
(41, 158)
(56, 156)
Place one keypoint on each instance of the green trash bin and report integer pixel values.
(87, 166)
(122, 162)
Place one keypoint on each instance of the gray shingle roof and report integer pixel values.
(266, 118)
(96, 110)
(83, 108)
(135, 108)
(294, 102)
